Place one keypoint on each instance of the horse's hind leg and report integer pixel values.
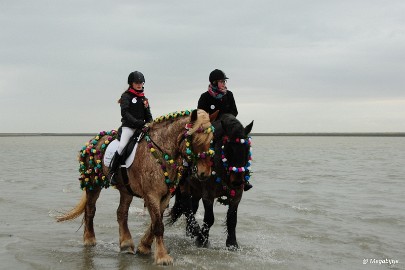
(89, 237)
(126, 241)
(145, 245)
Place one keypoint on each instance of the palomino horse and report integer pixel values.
(231, 170)
(153, 175)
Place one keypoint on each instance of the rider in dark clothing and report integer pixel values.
(218, 97)
(135, 113)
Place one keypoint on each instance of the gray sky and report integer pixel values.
(294, 66)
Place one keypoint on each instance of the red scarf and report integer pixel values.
(215, 92)
(136, 93)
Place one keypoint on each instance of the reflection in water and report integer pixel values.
(88, 258)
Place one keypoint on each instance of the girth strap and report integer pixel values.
(125, 179)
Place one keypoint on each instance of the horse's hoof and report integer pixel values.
(164, 260)
(127, 250)
(193, 230)
(232, 246)
(143, 250)
(202, 243)
(90, 242)
(192, 235)
(127, 246)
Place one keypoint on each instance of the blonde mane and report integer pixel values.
(201, 139)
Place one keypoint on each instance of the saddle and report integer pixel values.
(126, 152)
(127, 156)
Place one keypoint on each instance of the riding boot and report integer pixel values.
(115, 162)
(247, 186)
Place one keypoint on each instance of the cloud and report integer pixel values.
(68, 62)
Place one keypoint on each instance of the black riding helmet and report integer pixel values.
(136, 77)
(217, 75)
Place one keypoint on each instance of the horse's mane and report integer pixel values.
(180, 119)
(230, 126)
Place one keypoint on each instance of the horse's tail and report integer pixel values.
(75, 212)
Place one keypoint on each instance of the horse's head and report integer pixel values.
(198, 140)
(235, 150)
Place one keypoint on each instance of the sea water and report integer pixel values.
(317, 203)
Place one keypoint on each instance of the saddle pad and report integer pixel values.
(112, 148)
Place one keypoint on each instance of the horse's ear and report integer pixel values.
(214, 116)
(248, 128)
(194, 116)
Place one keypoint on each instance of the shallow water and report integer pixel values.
(317, 203)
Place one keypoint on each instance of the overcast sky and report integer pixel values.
(294, 66)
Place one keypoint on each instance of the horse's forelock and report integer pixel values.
(232, 127)
(198, 119)
(201, 139)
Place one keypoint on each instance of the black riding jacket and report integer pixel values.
(133, 112)
(225, 105)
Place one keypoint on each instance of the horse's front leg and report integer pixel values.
(89, 237)
(231, 220)
(126, 241)
(192, 228)
(203, 238)
(161, 255)
(155, 231)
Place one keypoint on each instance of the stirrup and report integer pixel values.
(111, 177)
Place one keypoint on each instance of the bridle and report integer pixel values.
(248, 142)
(189, 158)
(246, 169)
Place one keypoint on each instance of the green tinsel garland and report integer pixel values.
(92, 174)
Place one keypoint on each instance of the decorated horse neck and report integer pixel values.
(168, 132)
(223, 176)
(245, 141)
(173, 158)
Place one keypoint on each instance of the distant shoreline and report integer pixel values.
(291, 134)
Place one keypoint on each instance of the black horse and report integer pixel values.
(230, 173)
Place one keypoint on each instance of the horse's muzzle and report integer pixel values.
(201, 177)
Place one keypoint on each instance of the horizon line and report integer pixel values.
(313, 134)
